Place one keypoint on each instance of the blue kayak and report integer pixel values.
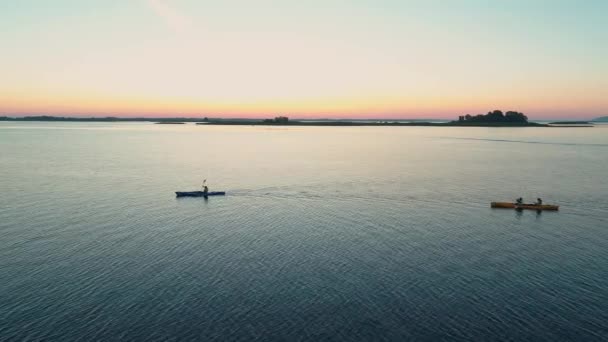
(199, 193)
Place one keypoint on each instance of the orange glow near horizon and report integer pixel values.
(360, 107)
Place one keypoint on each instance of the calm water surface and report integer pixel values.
(326, 233)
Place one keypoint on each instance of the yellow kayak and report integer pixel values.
(509, 205)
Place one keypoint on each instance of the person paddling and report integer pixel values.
(519, 201)
(539, 201)
(205, 188)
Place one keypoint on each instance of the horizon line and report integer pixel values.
(202, 117)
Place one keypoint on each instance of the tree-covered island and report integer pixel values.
(495, 117)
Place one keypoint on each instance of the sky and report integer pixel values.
(304, 59)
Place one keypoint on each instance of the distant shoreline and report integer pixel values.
(45, 118)
(569, 123)
(256, 122)
(384, 123)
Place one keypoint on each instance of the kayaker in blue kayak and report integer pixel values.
(205, 188)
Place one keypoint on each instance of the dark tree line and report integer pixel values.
(96, 119)
(278, 120)
(495, 116)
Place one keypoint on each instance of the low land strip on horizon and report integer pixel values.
(305, 122)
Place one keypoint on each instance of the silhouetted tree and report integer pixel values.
(277, 120)
(512, 116)
(495, 116)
